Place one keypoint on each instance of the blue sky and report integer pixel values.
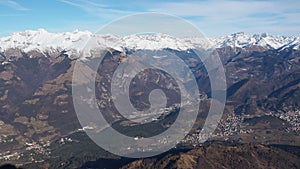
(213, 17)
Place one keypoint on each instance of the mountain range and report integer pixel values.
(45, 41)
(39, 127)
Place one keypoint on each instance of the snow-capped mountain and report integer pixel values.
(77, 40)
(42, 40)
(243, 40)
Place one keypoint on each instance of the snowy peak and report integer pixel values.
(154, 42)
(77, 40)
(243, 40)
(44, 41)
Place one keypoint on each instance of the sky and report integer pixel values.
(214, 18)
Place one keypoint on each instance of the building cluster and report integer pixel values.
(5, 139)
(32, 153)
(292, 117)
(230, 125)
(7, 156)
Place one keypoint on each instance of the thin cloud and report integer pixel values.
(14, 5)
(220, 10)
(97, 9)
(233, 15)
(214, 17)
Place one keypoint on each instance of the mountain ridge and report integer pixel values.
(75, 41)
